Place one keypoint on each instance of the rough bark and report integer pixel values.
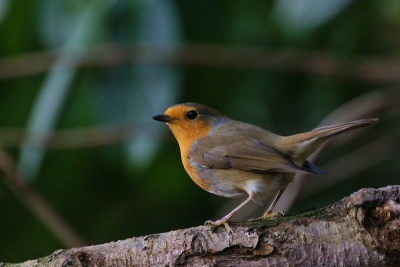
(360, 230)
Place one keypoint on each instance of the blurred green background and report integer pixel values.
(80, 81)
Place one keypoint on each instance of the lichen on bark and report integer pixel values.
(360, 230)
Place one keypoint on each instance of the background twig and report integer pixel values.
(323, 63)
(37, 204)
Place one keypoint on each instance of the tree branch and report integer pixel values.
(360, 230)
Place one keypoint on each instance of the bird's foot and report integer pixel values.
(268, 215)
(273, 215)
(218, 223)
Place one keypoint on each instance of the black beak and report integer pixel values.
(163, 118)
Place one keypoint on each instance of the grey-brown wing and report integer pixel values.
(252, 156)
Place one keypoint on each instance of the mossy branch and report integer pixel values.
(360, 230)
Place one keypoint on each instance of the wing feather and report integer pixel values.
(251, 156)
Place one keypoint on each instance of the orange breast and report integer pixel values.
(186, 132)
(185, 137)
(203, 182)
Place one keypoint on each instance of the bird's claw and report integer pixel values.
(218, 223)
(273, 215)
(268, 215)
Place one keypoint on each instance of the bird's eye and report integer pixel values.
(191, 115)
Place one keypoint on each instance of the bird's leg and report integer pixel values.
(226, 218)
(269, 213)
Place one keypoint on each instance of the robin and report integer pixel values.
(235, 159)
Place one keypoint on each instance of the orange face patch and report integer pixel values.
(186, 131)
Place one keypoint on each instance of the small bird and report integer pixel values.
(235, 159)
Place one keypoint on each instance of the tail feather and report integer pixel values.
(299, 146)
(333, 130)
(312, 168)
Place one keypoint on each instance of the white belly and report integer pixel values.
(234, 183)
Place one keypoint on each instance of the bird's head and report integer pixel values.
(190, 121)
